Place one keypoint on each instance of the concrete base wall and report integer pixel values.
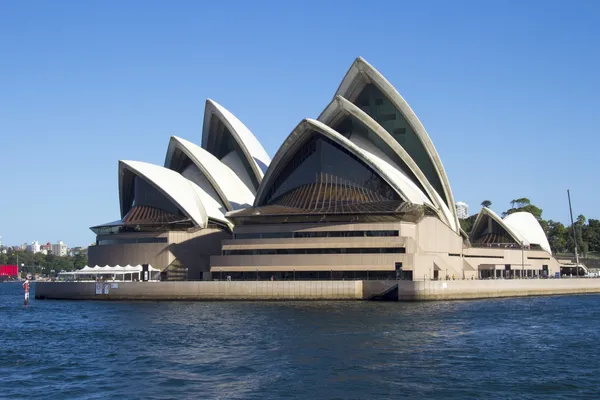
(482, 289)
(259, 290)
(313, 290)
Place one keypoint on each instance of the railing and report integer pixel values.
(505, 246)
(497, 245)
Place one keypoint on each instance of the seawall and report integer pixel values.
(314, 290)
(202, 290)
(483, 289)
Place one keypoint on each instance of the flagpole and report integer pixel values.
(574, 236)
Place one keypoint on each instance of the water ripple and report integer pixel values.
(529, 348)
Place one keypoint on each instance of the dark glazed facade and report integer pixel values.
(372, 101)
(322, 174)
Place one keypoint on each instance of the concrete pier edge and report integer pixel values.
(314, 290)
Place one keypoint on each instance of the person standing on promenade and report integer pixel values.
(26, 287)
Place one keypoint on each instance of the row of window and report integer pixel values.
(105, 242)
(312, 275)
(261, 252)
(289, 235)
(481, 256)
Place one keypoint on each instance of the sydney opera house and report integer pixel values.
(358, 193)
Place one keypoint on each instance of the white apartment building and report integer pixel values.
(59, 249)
(34, 247)
(462, 210)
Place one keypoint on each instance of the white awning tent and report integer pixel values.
(113, 273)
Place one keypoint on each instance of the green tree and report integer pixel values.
(524, 204)
(80, 261)
(45, 264)
(557, 236)
(592, 234)
(467, 223)
(582, 245)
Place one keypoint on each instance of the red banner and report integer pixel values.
(9, 270)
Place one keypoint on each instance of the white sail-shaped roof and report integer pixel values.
(412, 134)
(405, 188)
(216, 177)
(189, 198)
(485, 214)
(247, 158)
(386, 147)
(529, 228)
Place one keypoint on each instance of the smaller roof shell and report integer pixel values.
(233, 193)
(488, 213)
(194, 202)
(251, 148)
(529, 228)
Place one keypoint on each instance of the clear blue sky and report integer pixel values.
(508, 91)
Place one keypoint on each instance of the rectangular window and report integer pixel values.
(407, 275)
(476, 256)
(388, 117)
(321, 234)
(399, 131)
(305, 275)
(106, 242)
(368, 250)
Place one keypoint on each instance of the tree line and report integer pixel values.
(560, 237)
(42, 263)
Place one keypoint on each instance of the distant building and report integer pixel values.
(78, 250)
(462, 210)
(59, 249)
(46, 248)
(34, 247)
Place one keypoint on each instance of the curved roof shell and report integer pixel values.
(228, 139)
(405, 188)
(486, 214)
(529, 228)
(387, 148)
(189, 198)
(230, 189)
(366, 87)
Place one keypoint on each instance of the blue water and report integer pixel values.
(544, 347)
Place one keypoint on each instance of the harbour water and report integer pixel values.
(535, 347)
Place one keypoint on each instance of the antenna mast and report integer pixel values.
(574, 236)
